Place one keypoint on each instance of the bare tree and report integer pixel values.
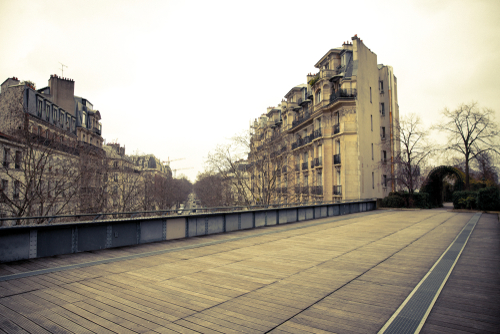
(42, 166)
(210, 188)
(415, 150)
(487, 172)
(471, 132)
(258, 179)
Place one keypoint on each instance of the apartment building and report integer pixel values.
(54, 140)
(134, 182)
(333, 138)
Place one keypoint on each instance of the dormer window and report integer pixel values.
(84, 120)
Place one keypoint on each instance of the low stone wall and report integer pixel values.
(28, 242)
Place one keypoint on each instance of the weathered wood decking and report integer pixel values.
(343, 274)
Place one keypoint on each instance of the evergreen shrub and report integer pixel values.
(465, 199)
(488, 199)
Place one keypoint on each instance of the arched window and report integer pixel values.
(318, 96)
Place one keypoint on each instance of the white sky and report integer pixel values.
(175, 78)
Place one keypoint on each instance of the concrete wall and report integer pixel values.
(27, 242)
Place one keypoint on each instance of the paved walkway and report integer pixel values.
(346, 274)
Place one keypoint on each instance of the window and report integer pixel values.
(381, 84)
(16, 189)
(319, 179)
(382, 109)
(306, 180)
(116, 177)
(371, 121)
(370, 95)
(39, 108)
(384, 156)
(47, 112)
(382, 132)
(19, 157)
(4, 186)
(372, 151)
(384, 181)
(318, 96)
(84, 120)
(373, 180)
(6, 157)
(115, 164)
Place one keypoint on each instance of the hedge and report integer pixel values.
(488, 199)
(465, 199)
(393, 202)
(402, 200)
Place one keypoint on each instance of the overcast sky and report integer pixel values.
(176, 78)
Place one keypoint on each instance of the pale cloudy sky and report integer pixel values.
(175, 78)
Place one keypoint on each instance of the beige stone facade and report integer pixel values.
(337, 132)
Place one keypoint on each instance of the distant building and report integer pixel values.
(337, 132)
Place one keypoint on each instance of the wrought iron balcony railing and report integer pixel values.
(312, 163)
(348, 93)
(301, 119)
(304, 189)
(297, 168)
(304, 165)
(337, 190)
(336, 159)
(297, 189)
(317, 133)
(317, 190)
(318, 161)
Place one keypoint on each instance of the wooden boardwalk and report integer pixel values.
(343, 274)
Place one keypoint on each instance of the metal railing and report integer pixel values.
(297, 167)
(301, 119)
(304, 190)
(312, 163)
(125, 216)
(348, 93)
(318, 161)
(337, 190)
(336, 159)
(317, 190)
(304, 165)
(317, 133)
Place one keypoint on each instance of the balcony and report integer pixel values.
(304, 165)
(336, 159)
(336, 128)
(283, 169)
(305, 190)
(317, 190)
(283, 149)
(284, 190)
(337, 190)
(349, 93)
(317, 133)
(318, 161)
(327, 74)
(297, 168)
(301, 119)
(297, 189)
(312, 163)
